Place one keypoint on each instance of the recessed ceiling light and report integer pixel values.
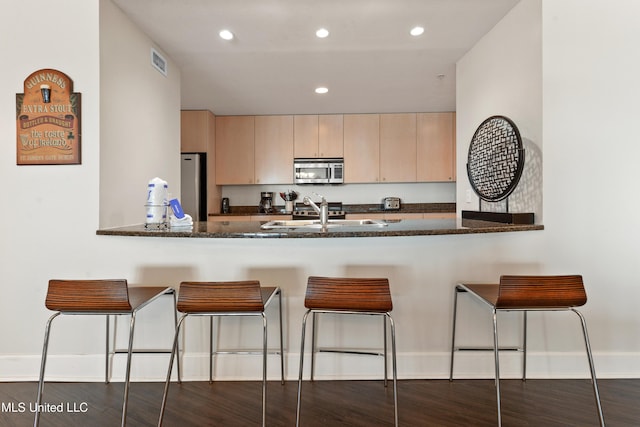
(226, 34)
(416, 31)
(322, 33)
(322, 90)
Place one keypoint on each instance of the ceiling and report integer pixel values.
(369, 62)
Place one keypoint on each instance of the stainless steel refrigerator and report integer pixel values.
(193, 189)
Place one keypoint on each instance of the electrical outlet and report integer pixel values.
(468, 196)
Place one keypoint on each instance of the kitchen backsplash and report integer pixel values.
(444, 192)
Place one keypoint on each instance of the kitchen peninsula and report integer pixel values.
(253, 229)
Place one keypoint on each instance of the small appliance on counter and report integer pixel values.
(266, 202)
(226, 207)
(391, 203)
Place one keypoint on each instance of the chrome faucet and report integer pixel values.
(322, 210)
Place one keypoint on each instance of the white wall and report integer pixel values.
(587, 108)
(590, 114)
(139, 122)
(51, 212)
(440, 192)
(502, 75)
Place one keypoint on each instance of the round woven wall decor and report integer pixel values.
(496, 159)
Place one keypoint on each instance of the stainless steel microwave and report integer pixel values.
(318, 171)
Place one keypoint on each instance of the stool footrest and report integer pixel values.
(244, 352)
(143, 350)
(488, 349)
(348, 351)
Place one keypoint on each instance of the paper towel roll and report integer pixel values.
(157, 191)
(157, 201)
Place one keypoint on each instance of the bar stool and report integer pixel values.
(340, 295)
(105, 298)
(239, 298)
(527, 293)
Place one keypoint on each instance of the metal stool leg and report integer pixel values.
(128, 372)
(524, 347)
(168, 381)
(453, 333)
(106, 356)
(211, 348)
(304, 327)
(264, 370)
(281, 338)
(395, 367)
(175, 321)
(591, 365)
(314, 319)
(384, 332)
(43, 363)
(497, 361)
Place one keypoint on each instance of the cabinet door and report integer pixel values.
(234, 150)
(194, 131)
(398, 147)
(305, 136)
(331, 135)
(436, 147)
(274, 149)
(361, 147)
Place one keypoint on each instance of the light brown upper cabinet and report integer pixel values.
(235, 136)
(398, 147)
(331, 135)
(436, 147)
(361, 148)
(197, 128)
(305, 136)
(318, 135)
(274, 149)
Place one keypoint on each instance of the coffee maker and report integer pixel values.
(266, 202)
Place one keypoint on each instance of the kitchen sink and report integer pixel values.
(316, 223)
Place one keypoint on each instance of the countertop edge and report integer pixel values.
(251, 230)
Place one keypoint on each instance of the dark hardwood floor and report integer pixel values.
(330, 403)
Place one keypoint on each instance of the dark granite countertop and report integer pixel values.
(251, 229)
(362, 208)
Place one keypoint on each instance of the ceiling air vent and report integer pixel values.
(158, 62)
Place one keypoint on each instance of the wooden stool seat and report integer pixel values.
(350, 294)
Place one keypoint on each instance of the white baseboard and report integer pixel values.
(329, 366)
